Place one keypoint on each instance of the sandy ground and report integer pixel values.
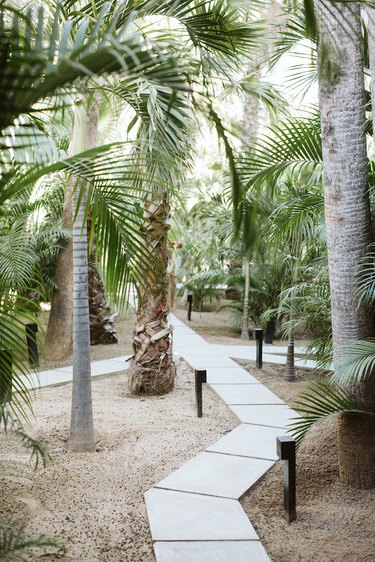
(334, 523)
(94, 502)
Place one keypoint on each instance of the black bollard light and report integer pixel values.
(200, 378)
(6, 364)
(258, 336)
(286, 451)
(190, 305)
(269, 331)
(32, 346)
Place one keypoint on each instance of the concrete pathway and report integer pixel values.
(65, 374)
(194, 513)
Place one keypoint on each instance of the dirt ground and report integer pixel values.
(140, 441)
(94, 502)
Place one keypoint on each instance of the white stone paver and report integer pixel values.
(63, 375)
(229, 375)
(178, 516)
(217, 475)
(198, 361)
(213, 551)
(250, 441)
(228, 468)
(277, 415)
(249, 394)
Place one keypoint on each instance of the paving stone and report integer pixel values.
(106, 366)
(204, 361)
(46, 378)
(269, 415)
(228, 375)
(213, 551)
(250, 441)
(177, 516)
(250, 394)
(216, 474)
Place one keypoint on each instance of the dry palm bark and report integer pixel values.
(347, 214)
(152, 370)
(102, 321)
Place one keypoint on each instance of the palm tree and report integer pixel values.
(82, 437)
(119, 168)
(347, 215)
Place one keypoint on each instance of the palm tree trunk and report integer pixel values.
(153, 369)
(82, 437)
(290, 369)
(245, 319)
(347, 212)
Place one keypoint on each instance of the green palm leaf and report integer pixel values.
(17, 546)
(355, 362)
(320, 400)
(293, 146)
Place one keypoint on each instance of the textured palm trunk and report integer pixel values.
(290, 369)
(102, 321)
(152, 370)
(82, 438)
(347, 214)
(245, 318)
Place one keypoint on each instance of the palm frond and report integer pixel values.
(355, 362)
(11, 425)
(17, 546)
(366, 278)
(320, 400)
(293, 146)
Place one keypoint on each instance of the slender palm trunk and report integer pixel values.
(82, 437)
(245, 319)
(153, 369)
(290, 369)
(347, 213)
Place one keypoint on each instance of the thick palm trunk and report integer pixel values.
(245, 318)
(153, 370)
(347, 213)
(82, 437)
